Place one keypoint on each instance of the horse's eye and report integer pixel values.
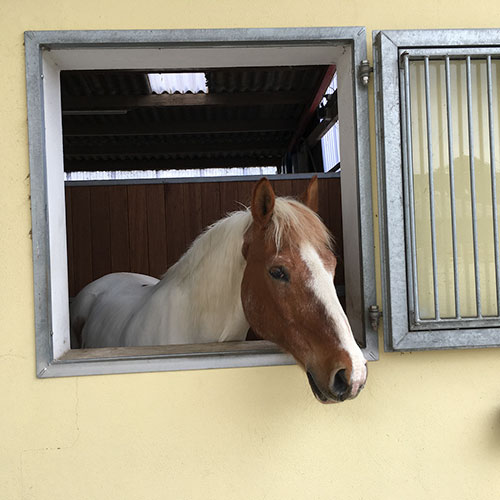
(279, 273)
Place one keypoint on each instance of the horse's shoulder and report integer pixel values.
(114, 280)
(141, 279)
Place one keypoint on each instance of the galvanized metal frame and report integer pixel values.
(358, 186)
(180, 180)
(403, 330)
(465, 55)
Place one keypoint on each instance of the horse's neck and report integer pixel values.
(205, 284)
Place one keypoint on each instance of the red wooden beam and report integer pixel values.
(313, 105)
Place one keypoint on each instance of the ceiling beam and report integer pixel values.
(91, 150)
(313, 105)
(330, 116)
(85, 129)
(111, 103)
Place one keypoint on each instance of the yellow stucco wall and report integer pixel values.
(426, 426)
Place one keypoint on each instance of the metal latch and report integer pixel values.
(374, 315)
(364, 71)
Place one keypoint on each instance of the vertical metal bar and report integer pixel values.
(431, 186)
(411, 192)
(473, 189)
(452, 188)
(493, 179)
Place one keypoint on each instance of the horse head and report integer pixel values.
(288, 293)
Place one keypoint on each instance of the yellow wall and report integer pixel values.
(426, 426)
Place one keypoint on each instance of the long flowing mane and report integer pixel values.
(215, 259)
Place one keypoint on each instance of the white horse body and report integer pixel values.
(198, 299)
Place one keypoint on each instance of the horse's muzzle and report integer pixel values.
(339, 391)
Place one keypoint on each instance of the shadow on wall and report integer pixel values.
(494, 430)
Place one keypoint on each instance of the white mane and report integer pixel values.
(210, 272)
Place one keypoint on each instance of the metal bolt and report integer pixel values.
(364, 71)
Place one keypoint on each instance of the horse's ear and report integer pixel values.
(262, 202)
(310, 197)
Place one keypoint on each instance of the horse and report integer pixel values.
(270, 267)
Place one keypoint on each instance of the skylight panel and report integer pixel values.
(182, 83)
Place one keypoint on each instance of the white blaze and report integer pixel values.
(321, 283)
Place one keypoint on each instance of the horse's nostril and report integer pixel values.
(340, 384)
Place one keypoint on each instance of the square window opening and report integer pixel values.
(123, 148)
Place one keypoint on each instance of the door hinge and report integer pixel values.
(374, 315)
(364, 71)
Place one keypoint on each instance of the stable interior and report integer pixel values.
(152, 158)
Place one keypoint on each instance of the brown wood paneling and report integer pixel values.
(244, 193)
(138, 229)
(119, 235)
(192, 211)
(82, 237)
(228, 197)
(335, 208)
(299, 187)
(210, 201)
(323, 201)
(147, 228)
(284, 188)
(175, 227)
(157, 237)
(69, 241)
(100, 225)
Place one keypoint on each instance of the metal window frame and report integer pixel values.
(427, 56)
(49, 299)
(394, 197)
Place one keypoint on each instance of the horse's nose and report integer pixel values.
(340, 387)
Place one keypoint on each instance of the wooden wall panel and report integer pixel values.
(146, 228)
(118, 227)
(228, 197)
(175, 228)
(244, 193)
(100, 231)
(156, 226)
(69, 242)
(82, 238)
(193, 224)
(335, 226)
(211, 203)
(323, 202)
(138, 229)
(299, 186)
(284, 188)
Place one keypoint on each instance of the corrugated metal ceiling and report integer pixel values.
(153, 133)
